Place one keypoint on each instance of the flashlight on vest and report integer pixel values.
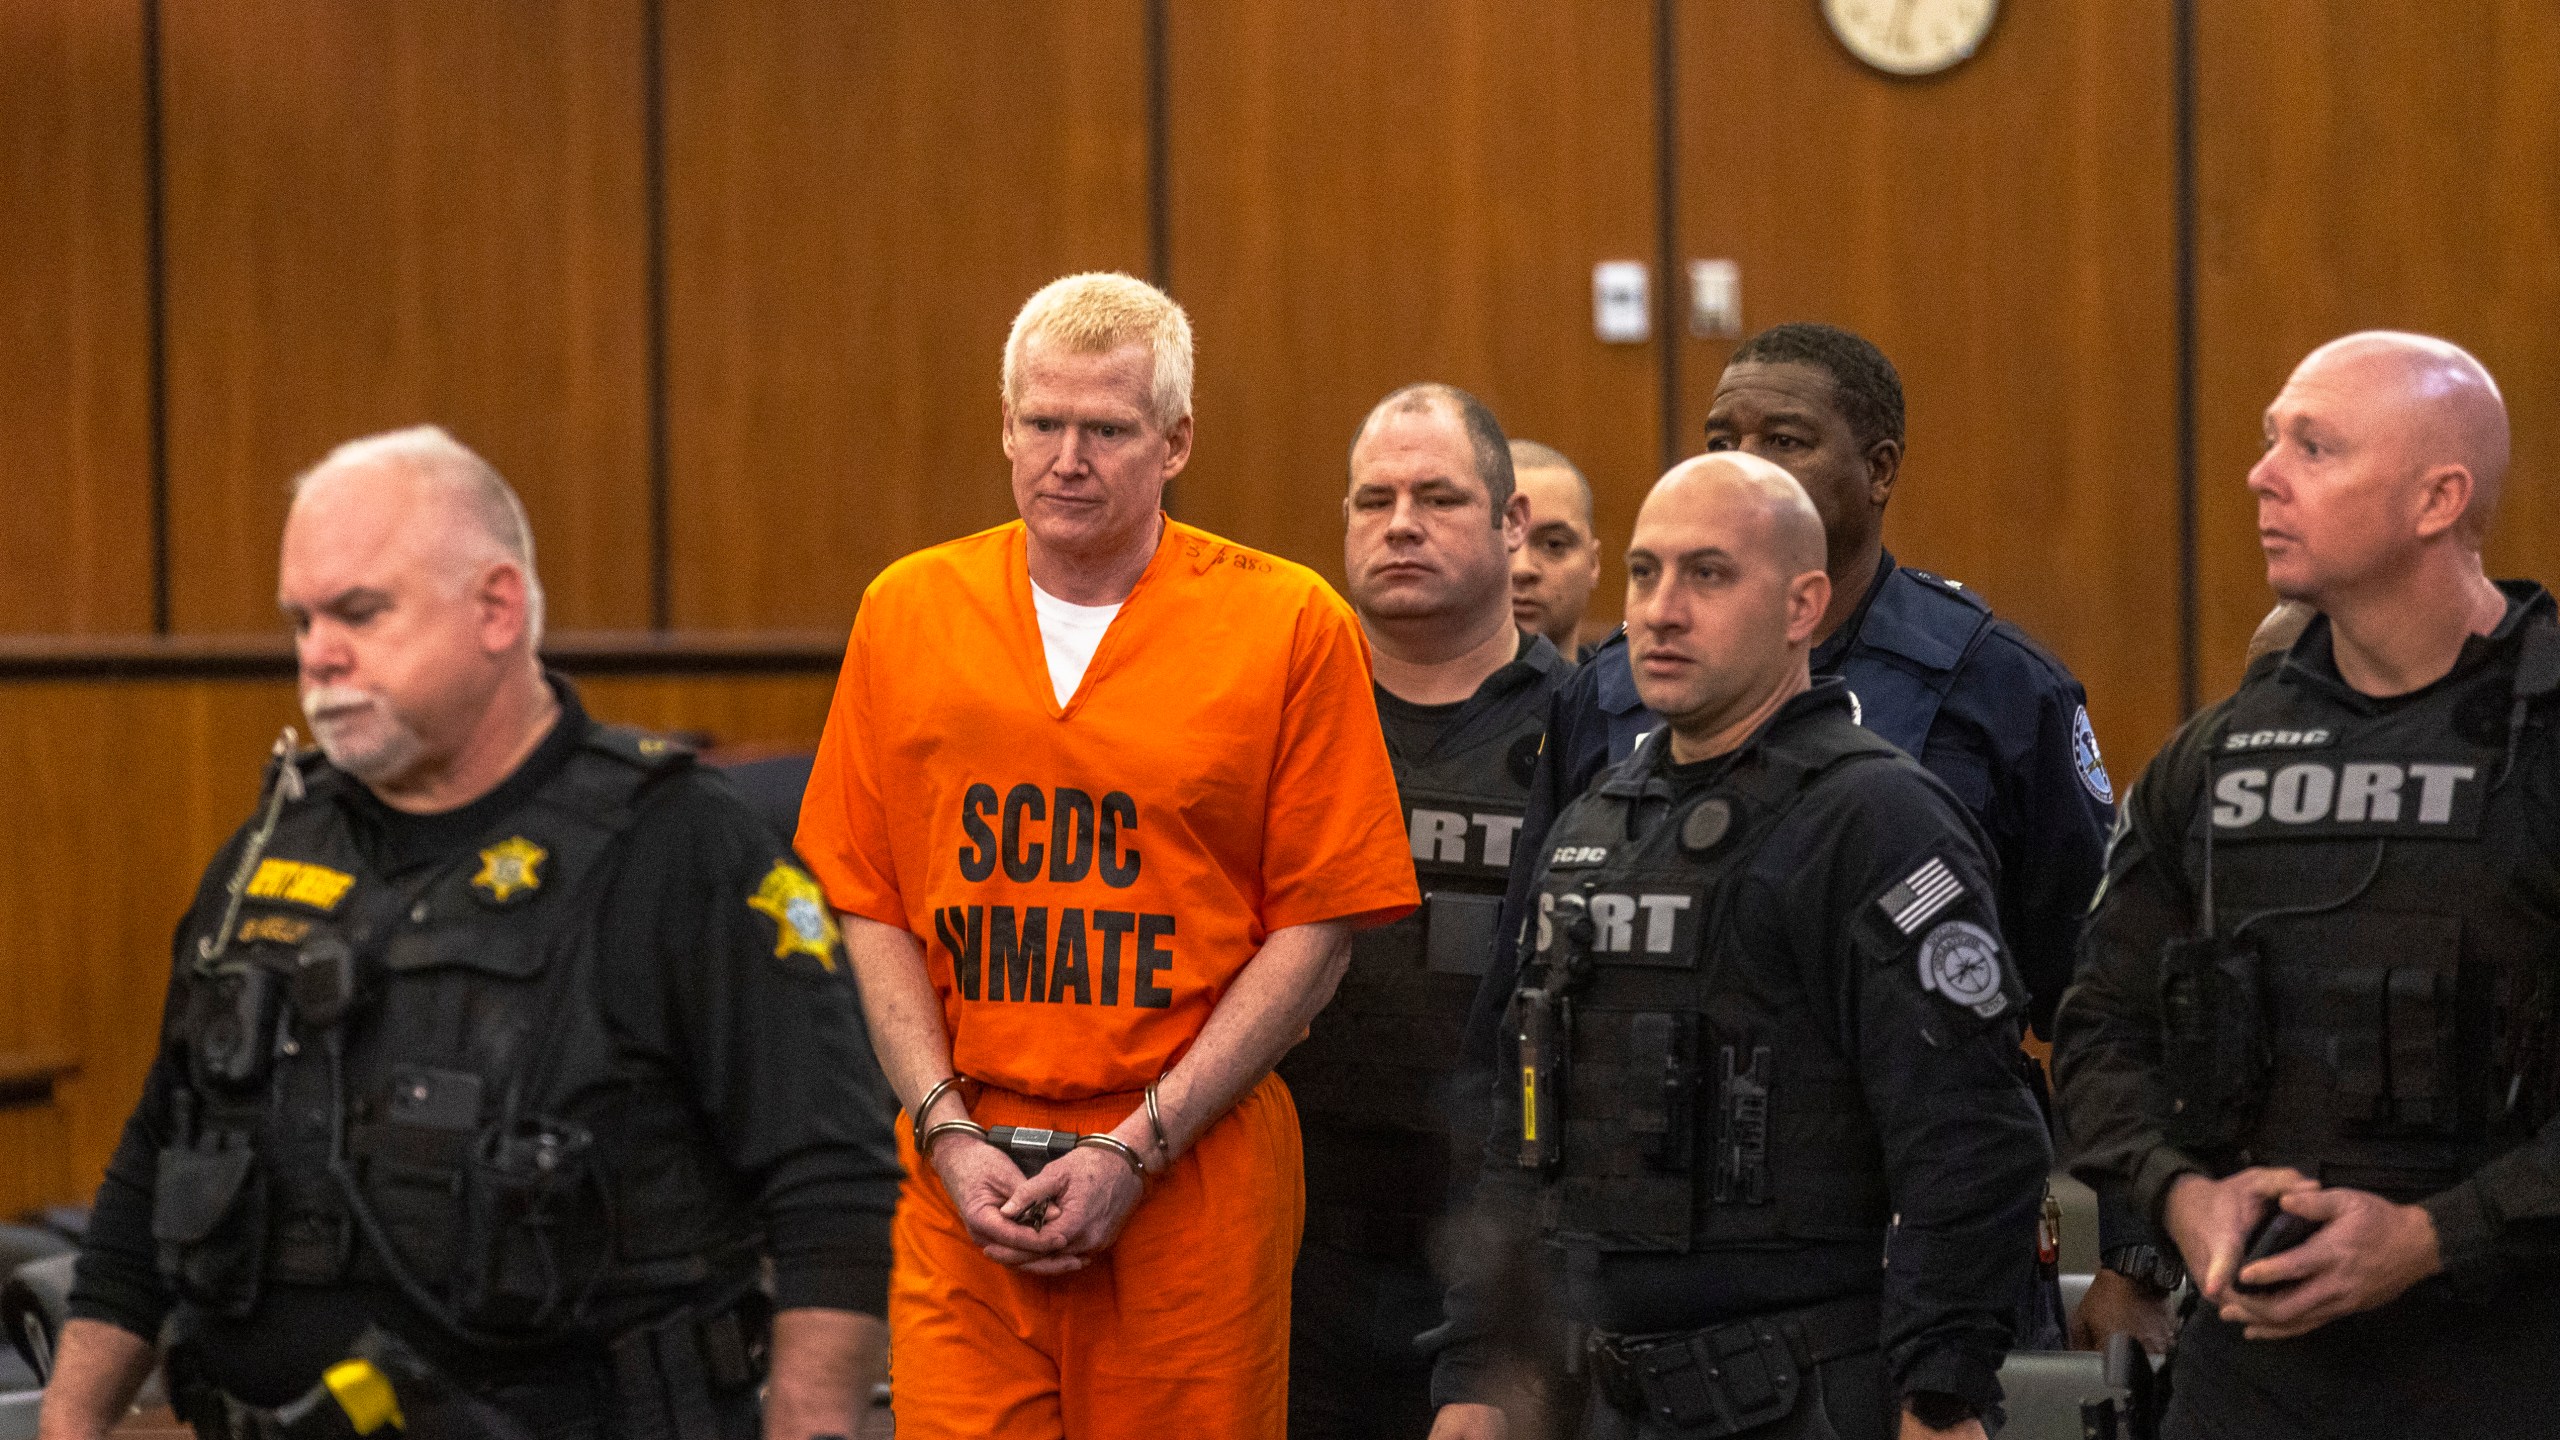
(1545, 1034)
(1541, 1059)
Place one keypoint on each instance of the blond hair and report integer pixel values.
(1100, 311)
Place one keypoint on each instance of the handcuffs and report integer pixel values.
(1030, 1148)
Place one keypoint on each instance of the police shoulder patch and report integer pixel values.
(1960, 963)
(802, 923)
(2084, 755)
(1923, 893)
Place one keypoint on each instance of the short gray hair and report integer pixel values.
(496, 514)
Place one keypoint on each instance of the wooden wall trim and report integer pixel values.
(269, 657)
(653, 151)
(2182, 68)
(1669, 283)
(155, 200)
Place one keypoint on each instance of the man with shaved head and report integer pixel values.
(1558, 563)
(1758, 1079)
(2314, 1021)
(1965, 692)
(507, 1052)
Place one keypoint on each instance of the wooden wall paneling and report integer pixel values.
(74, 319)
(2005, 233)
(2397, 168)
(385, 214)
(1368, 196)
(859, 197)
(740, 713)
(126, 790)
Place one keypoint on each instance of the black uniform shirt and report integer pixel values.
(1965, 1153)
(2011, 738)
(773, 1054)
(1414, 729)
(2106, 1053)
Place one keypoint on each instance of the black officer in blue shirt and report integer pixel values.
(1985, 708)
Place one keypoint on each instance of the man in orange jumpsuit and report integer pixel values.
(1101, 799)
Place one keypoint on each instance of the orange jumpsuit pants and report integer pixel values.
(1180, 1328)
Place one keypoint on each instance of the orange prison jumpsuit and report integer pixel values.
(1087, 880)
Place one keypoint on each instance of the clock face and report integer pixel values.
(1910, 37)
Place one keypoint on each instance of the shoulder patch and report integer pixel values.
(1923, 893)
(1960, 963)
(2084, 756)
(802, 923)
(649, 752)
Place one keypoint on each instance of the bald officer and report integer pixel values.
(2318, 989)
(1758, 1077)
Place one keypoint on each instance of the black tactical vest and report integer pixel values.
(414, 1082)
(1380, 1056)
(2382, 984)
(1694, 1098)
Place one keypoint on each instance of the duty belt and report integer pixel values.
(1729, 1378)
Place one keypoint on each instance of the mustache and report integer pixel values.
(335, 697)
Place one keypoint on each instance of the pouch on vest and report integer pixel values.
(1459, 932)
(529, 1243)
(209, 1221)
(2214, 1052)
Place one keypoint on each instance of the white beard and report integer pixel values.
(367, 738)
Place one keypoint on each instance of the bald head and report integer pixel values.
(1725, 584)
(2384, 456)
(1772, 507)
(2444, 404)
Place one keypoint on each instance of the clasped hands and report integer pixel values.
(1044, 1224)
(2367, 1251)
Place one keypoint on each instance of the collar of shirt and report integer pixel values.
(1828, 656)
(396, 841)
(1650, 768)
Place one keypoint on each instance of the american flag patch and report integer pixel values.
(1925, 892)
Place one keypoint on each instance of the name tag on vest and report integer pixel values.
(2271, 796)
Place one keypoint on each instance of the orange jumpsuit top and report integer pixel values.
(1088, 879)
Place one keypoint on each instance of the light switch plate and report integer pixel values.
(1621, 302)
(1715, 299)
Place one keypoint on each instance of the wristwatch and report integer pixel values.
(1939, 1410)
(2147, 1265)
